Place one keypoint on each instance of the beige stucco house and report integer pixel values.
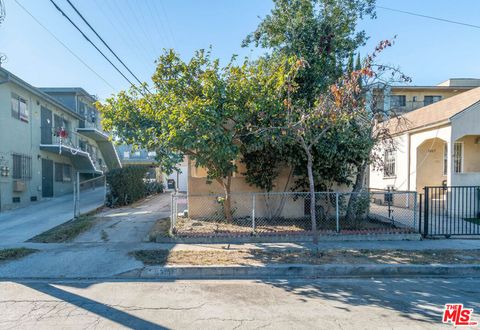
(439, 144)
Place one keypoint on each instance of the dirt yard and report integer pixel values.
(263, 257)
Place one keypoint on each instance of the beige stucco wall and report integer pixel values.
(429, 167)
(423, 161)
(466, 127)
(421, 93)
(202, 205)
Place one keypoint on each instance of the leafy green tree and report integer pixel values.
(324, 35)
(197, 109)
(322, 32)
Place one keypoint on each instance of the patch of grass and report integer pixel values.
(15, 253)
(161, 227)
(475, 221)
(66, 231)
(298, 256)
(151, 257)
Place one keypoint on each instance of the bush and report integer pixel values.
(153, 187)
(126, 185)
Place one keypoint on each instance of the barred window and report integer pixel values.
(19, 108)
(22, 167)
(458, 157)
(389, 163)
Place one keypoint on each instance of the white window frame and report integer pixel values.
(388, 163)
(455, 156)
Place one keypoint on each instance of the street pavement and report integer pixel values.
(24, 223)
(375, 303)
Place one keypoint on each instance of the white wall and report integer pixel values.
(400, 180)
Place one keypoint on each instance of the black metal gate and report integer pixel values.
(449, 211)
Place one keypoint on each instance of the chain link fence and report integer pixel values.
(289, 213)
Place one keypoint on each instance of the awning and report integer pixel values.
(106, 147)
(81, 160)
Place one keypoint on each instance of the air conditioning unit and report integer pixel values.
(18, 186)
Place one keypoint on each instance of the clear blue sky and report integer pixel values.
(428, 51)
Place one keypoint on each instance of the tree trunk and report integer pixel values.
(313, 216)
(357, 188)
(281, 205)
(227, 203)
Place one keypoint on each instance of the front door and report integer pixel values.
(46, 126)
(47, 178)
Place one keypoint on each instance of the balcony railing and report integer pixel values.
(406, 107)
(69, 139)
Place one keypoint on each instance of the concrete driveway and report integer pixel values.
(22, 224)
(128, 224)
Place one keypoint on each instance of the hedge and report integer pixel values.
(126, 184)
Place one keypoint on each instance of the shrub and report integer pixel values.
(126, 185)
(153, 187)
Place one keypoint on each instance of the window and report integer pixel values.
(398, 100)
(22, 167)
(136, 154)
(126, 154)
(63, 172)
(67, 173)
(458, 157)
(152, 154)
(429, 99)
(445, 159)
(389, 163)
(19, 108)
(60, 122)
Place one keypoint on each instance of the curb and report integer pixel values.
(301, 271)
(287, 238)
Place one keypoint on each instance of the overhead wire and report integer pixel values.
(64, 45)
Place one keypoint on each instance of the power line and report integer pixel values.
(430, 17)
(103, 41)
(118, 26)
(90, 41)
(64, 45)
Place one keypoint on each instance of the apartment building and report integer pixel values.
(137, 156)
(47, 136)
(403, 99)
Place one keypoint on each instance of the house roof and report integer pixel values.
(67, 90)
(436, 113)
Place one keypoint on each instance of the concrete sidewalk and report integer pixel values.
(22, 224)
(84, 260)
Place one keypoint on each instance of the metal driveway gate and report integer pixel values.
(449, 211)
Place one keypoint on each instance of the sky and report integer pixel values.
(428, 51)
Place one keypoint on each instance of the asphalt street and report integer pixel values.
(411, 303)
